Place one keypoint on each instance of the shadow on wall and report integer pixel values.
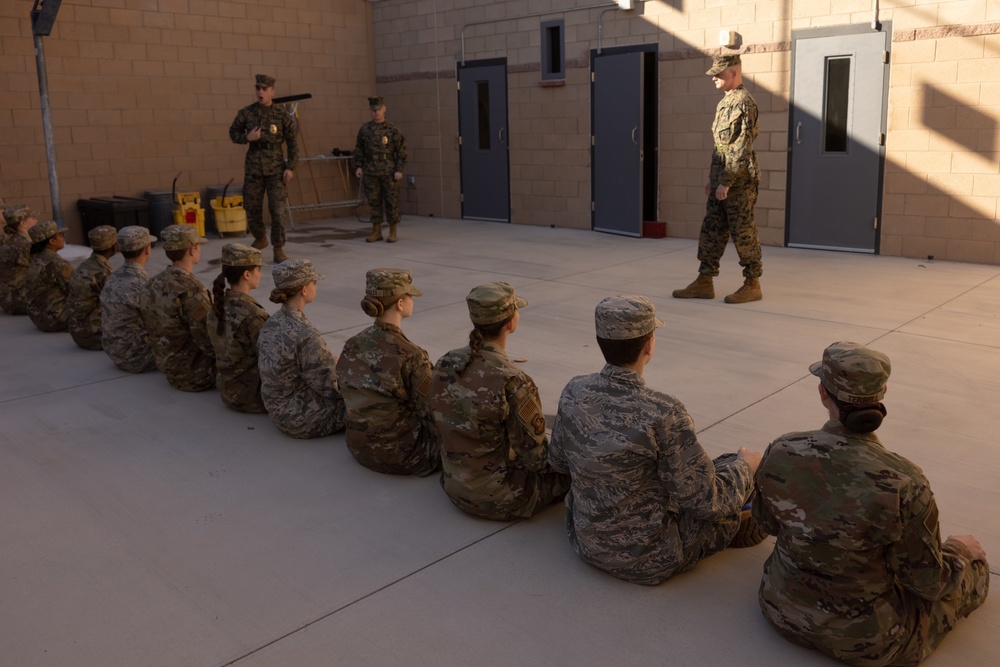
(955, 120)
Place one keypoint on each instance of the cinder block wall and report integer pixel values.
(142, 89)
(942, 172)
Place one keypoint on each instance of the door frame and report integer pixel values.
(885, 28)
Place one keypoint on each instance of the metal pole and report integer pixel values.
(50, 146)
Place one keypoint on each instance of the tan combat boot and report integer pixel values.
(376, 234)
(749, 292)
(259, 242)
(279, 254)
(701, 288)
(392, 234)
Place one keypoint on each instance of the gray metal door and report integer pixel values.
(483, 140)
(617, 93)
(836, 140)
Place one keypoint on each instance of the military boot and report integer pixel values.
(259, 242)
(376, 234)
(701, 288)
(749, 292)
(279, 254)
(392, 234)
(749, 534)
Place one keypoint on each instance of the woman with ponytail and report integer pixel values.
(859, 571)
(494, 446)
(384, 379)
(234, 325)
(297, 371)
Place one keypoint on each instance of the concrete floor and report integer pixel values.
(146, 526)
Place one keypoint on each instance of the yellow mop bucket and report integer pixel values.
(230, 217)
(189, 210)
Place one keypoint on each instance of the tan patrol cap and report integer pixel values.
(625, 317)
(294, 273)
(179, 237)
(492, 303)
(237, 254)
(134, 237)
(853, 373)
(722, 63)
(102, 237)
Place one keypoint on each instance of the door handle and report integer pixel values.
(798, 133)
(500, 136)
(634, 130)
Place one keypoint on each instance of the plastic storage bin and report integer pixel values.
(115, 211)
(229, 215)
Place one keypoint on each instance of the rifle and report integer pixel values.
(292, 98)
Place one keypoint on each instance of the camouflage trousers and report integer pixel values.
(382, 194)
(929, 621)
(730, 218)
(254, 187)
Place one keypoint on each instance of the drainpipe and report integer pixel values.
(876, 26)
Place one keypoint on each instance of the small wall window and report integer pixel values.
(553, 50)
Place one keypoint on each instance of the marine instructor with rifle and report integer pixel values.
(264, 126)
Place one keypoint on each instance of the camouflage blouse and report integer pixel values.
(238, 379)
(84, 301)
(734, 162)
(298, 376)
(646, 500)
(46, 289)
(15, 258)
(493, 432)
(123, 334)
(385, 380)
(859, 555)
(174, 309)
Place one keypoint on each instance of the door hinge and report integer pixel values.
(458, 85)
(461, 198)
(593, 141)
(881, 138)
(875, 223)
(885, 57)
(592, 77)
(460, 140)
(593, 207)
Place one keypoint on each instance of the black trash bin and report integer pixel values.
(115, 211)
(161, 210)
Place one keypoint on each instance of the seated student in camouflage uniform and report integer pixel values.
(174, 309)
(490, 418)
(646, 500)
(297, 371)
(15, 258)
(48, 278)
(84, 300)
(234, 326)
(859, 571)
(384, 379)
(123, 335)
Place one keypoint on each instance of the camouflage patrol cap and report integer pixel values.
(43, 231)
(264, 81)
(722, 63)
(134, 238)
(376, 103)
(293, 273)
(389, 284)
(179, 237)
(18, 213)
(625, 317)
(853, 373)
(237, 254)
(102, 237)
(492, 303)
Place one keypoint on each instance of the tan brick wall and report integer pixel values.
(142, 89)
